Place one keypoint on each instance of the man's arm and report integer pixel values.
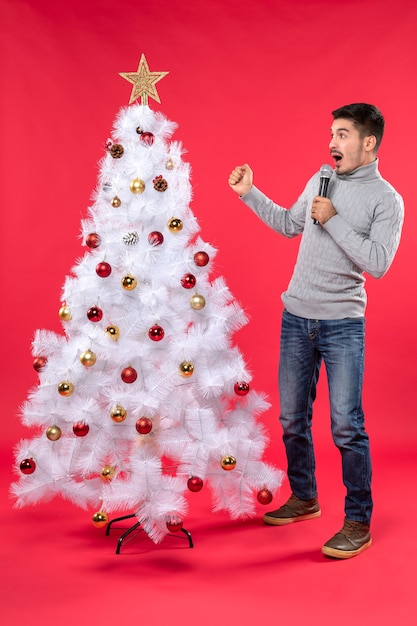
(374, 253)
(287, 222)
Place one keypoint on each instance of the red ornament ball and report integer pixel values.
(264, 496)
(27, 466)
(201, 258)
(80, 429)
(241, 389)
(93, 240)
(174, 525)
(155, 238)
(39, 363)
(129, 375)
(103, 269)
(156, 333)
(188, 281)
(94, 314)
(195, 484)
(147, 138)
(144, 425)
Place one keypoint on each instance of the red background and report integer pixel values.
(248, 81)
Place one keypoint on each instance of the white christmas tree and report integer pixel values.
(145, 397)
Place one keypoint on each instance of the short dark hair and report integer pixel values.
(366, 117)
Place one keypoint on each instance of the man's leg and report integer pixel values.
(298, 374)
(342, 345)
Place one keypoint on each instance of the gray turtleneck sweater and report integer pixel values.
(328, 280)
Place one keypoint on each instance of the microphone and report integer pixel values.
(325, 175)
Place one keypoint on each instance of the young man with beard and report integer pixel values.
(355, 229)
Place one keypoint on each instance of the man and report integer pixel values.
(355, 229)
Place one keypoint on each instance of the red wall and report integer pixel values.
(247, 81)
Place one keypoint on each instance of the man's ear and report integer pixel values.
(370, 143)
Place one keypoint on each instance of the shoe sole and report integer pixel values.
(344, 554)
(283, 521)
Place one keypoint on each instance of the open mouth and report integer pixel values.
(337, 157)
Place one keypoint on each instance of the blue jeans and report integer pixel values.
(305, 343)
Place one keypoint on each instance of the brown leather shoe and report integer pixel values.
(294, 510)
(353, 539)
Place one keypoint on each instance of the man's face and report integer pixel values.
(348, 149)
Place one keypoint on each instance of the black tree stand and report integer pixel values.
(125, 537)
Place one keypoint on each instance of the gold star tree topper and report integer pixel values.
(143, 82)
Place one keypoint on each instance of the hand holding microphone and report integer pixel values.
(322, 209)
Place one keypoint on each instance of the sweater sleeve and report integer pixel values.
(288, 222)
(375, 252)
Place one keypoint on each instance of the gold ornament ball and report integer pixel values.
(64, 313)
(88, 358)
(100, 519)
(170, 164)
(197, 302)
(107, 473)
(53, 433)
(116, 202)
(65, 388)
(113, 332)
(186, 369)
(129, 282)
(118, 414)
(137, 186)
(228, 463)
(175, 225)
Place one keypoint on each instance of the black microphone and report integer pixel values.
(325, 175)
